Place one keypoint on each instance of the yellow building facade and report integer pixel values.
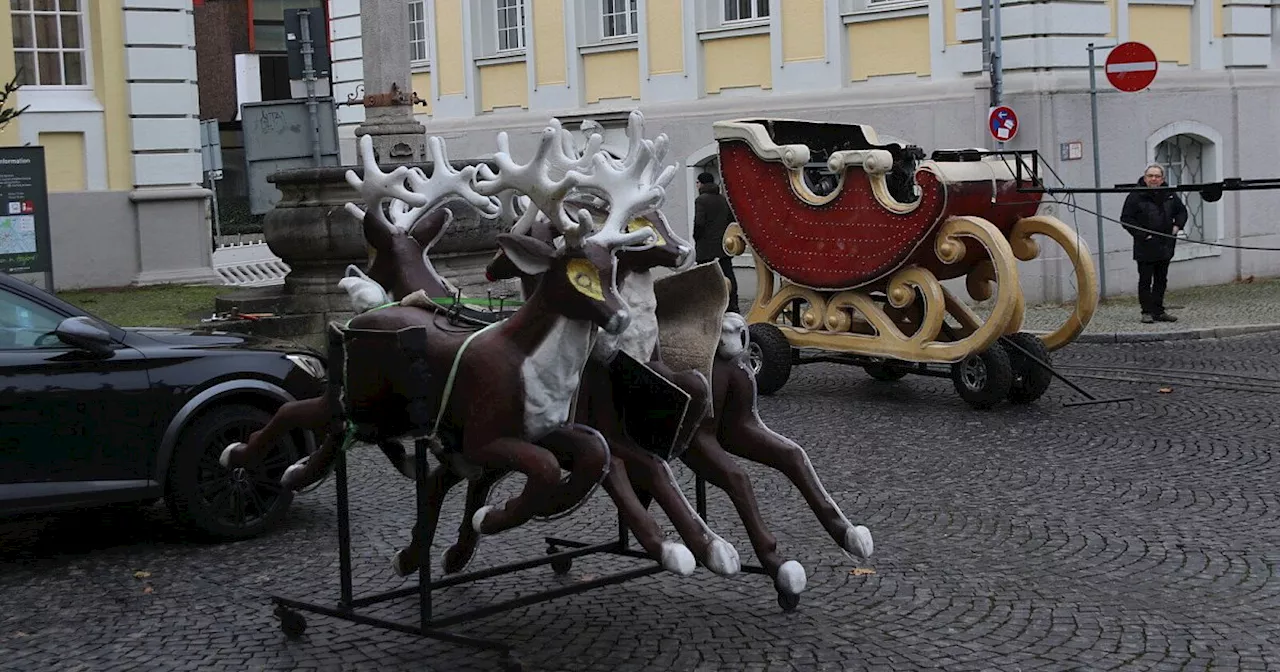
(912, 69)
(109, 91)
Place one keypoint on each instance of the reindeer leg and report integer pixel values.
(653, 475)
(439, 482)
(310, 469)
(310, 414)
(456, 557)
(540, 468)
(743, 433)
(586, 453)
(674, 557)
(710, 461)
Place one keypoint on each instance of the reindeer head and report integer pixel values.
(621, 194)
(404, 217)
(580, 275)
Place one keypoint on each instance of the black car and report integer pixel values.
(93, 414)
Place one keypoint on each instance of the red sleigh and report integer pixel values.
(853, 237)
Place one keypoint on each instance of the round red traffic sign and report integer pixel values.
(1002, 122)
(1131, 66)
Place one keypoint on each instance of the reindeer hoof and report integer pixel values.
(478, 519)
(677, 558)
(722, 558)
(791, 578)
(225, 458)
(293, 475)
(399, 565)
(857, 540)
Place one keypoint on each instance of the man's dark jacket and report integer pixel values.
(1158, 211)
(711, 216)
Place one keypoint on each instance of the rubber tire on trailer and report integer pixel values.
(1030, 380)
(198, 449)
(883, 372)
(983, 379)
(770, 346)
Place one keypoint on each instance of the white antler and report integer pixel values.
(378, 186)
(629, 186)
(535, 180)
(445, 182)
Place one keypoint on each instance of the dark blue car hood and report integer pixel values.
(207, 339)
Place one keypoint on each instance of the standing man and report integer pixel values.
(1154, 219)
(711, 216)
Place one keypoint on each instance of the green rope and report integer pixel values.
(350, 438)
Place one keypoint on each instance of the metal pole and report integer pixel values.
(309, 76)
(217, 222)
(997, 57)
(1097, 175)
(986, 45)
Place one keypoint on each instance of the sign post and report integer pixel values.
(1131, 66)
(211, 157)
(24, 217)
(1002, 123)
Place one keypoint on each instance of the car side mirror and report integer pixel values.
(83, 333)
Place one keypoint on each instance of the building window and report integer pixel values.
(621, 18)
(48, 42)
(1183, 159)
(745, 10)
(510, 25)
(418, 52)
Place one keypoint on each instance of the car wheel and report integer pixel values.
(228, 503)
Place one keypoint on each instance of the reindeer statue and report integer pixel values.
(733, 425)
(401, 237)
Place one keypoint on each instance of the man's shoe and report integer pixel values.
(1165, 317)
(1147, 319)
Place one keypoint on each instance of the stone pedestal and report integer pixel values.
(311, 231)
(388, 83)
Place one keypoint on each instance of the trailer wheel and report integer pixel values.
(769, 354)
(1030, 380)
(983, 379)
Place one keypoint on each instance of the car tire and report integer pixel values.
(228, 504)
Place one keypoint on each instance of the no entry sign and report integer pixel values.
(1131, 66)
(1003, 123)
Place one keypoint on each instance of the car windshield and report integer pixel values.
(23, 323)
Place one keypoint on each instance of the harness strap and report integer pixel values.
(453, 372)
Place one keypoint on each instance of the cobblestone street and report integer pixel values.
(1135, 535)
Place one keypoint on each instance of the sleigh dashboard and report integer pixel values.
(829, 206)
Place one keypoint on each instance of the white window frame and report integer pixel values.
(754, 11)
(522, 25)
(879, 9)
(629, 14)
(85, 64)
(420, 23)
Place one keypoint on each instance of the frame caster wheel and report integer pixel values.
(788, 602)
(291, 622)
(513, 664)
(560, 566)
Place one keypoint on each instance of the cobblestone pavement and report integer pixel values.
(1136, 535)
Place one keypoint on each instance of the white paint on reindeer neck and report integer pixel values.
(551, 375)
(857, 538)
(641, 337)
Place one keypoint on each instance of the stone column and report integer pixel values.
(388, 88)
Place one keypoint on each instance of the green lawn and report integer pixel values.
(152, 306)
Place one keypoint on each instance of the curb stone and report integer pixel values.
(1184, 335)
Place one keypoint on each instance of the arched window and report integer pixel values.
(1190, 154)
(1183, 159)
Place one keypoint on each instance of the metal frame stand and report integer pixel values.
(430, 624)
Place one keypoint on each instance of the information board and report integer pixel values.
(24, 211)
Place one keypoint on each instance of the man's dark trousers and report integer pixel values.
(726, 265)
(1152, 277)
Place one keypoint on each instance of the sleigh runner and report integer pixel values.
(853, 239)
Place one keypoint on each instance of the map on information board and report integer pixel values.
(17, 234)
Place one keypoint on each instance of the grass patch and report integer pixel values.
(152, 306)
